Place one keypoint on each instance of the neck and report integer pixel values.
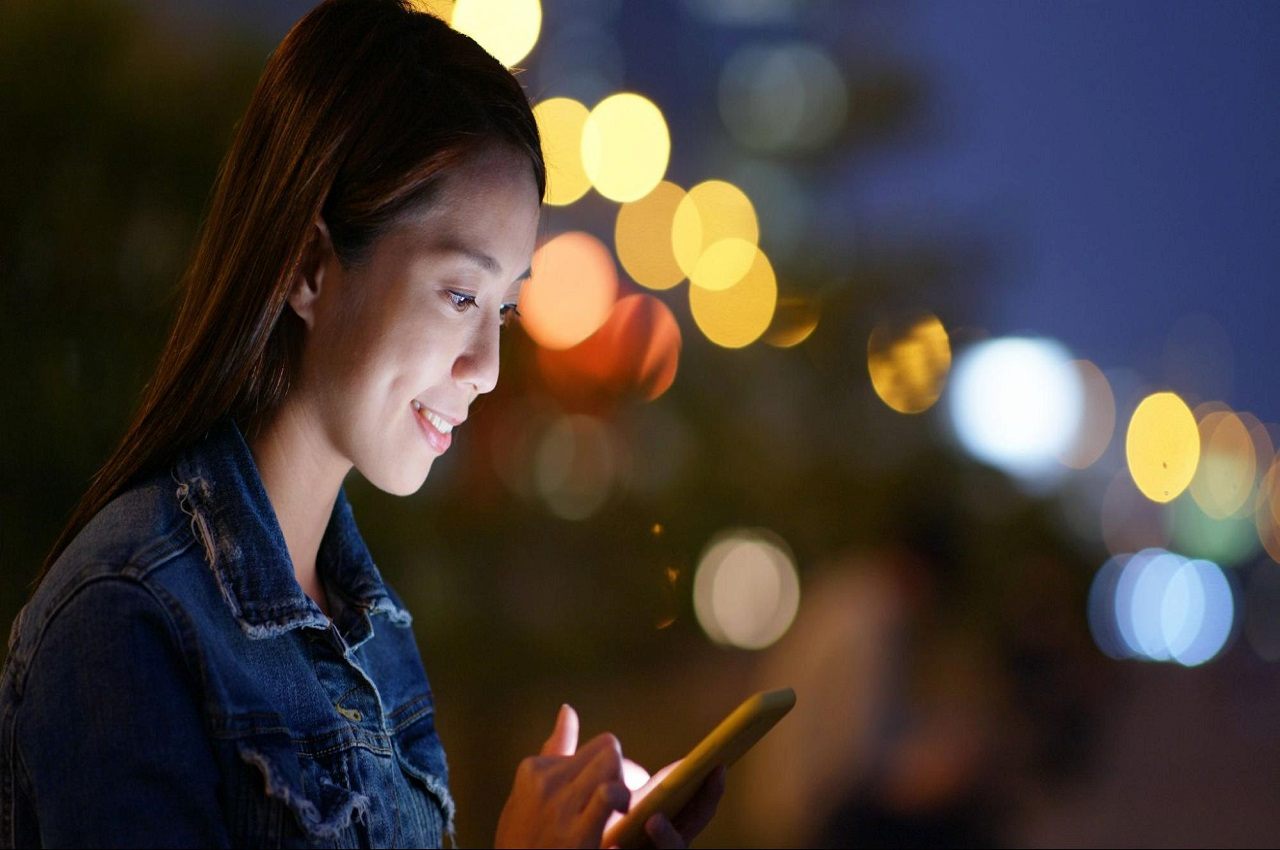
(301, 472)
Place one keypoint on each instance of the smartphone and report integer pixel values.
(726, 743)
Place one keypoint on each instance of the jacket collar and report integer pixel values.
(220, 488)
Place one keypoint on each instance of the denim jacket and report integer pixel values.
(170, 684)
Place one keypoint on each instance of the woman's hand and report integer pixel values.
(689, 822)
(562, 797)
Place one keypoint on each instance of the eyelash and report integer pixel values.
(462, 302)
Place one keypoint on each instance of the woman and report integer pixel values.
(211, 657)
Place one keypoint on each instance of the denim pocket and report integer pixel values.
(422, 759)
(289, 800)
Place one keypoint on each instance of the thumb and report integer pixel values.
(564, 737)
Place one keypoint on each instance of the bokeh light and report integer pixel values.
(1163, 607)
(560, 122)
(909, 368)
(1225, 475)
(746, 591)
(737, 316)
(625, 146)
(1227, 541)
(571, 290)
(574, 467)
(785, 97)
(635, 352)
(442, 9)
(723, 264)
(712, 211)
(507, 29)
(795, 319)
(1162, 446)
(1098, 418)
(642, 234)
(1267, 511)
(1016, 403)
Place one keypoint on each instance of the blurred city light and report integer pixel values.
(713, 211)
(1227, 541)
(786, 97)
(574, 466)
(507, 29)
(1267, 511)
(1161, 606)
(625, 146)
(794, 320)
(737, 316)
(571, 290)
(1016, 403)
(1162, 446)
(746, 591)
(1224, 478)
(1098, 419)
(643, 237)
(909, 369)
(635, 352)
(560, 123)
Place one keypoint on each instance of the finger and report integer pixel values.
(701, 808)
(599, 762)
(564, 737)
(662, 833)
(606, 798)
(633, 774)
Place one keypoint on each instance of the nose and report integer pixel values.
(477, 365)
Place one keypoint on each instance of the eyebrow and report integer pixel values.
(480, 258)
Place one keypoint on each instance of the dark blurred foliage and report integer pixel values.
(111, 129)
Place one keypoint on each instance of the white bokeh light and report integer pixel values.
(746, 591)
(1016, 403)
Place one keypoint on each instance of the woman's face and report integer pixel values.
(418, 323)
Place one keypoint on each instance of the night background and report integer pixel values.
(978, 455)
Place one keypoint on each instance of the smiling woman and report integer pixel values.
(210, 656)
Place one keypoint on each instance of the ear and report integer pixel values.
(309, 277)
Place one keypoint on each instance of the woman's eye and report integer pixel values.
(460, 301)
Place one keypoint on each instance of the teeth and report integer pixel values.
(439, 424)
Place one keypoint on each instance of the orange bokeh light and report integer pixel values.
(572, 288)
(634, 353)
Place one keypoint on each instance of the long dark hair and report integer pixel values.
(360, 112)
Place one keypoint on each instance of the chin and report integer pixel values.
(404, 481)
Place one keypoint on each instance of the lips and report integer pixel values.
(438, 439)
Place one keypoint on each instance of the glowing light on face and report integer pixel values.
(643, 237)
(746, 591)
(737, 316)
(908, 369)
(506, 29)
(1016, 404)
(625, 146)
(1098, 420)
(560, 122)
(715, 213)
(570, 292)
(1162, 446)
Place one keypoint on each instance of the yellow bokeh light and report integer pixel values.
(1267, 511)
(794, 321)
(1225, 475)
(723, 264)
(1162, 446)
(625, 146)
(737, 316)
(507, 29)
(1098, 421)
(642, 235)
(746, 591)
(908, 370)
(560, 123)
(570, 292)
(712, 211)
(442, 9)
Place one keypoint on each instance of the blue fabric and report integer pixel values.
(170, 684)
